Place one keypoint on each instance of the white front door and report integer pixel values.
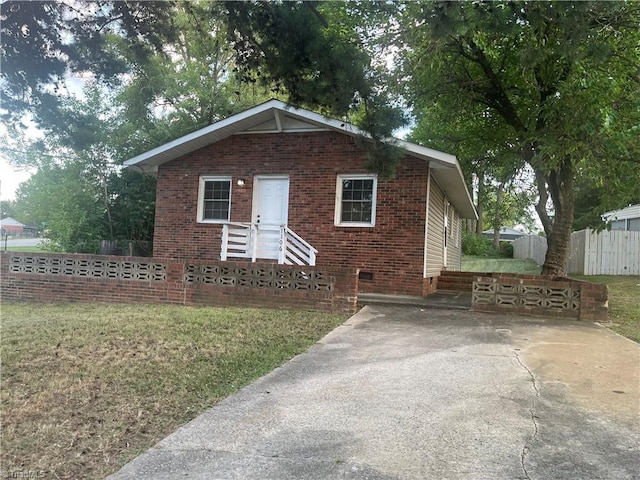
(270, 213)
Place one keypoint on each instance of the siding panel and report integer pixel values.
(435, 244)
(454, 245)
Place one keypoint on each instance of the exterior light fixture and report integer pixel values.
(240, 182)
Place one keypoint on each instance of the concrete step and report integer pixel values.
(441, 299)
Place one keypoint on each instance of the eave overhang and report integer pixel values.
(275, 116)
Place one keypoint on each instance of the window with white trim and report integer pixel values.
(214, 199)
(356, 200)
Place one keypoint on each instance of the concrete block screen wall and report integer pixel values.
(95, 278)
(539, 295)
(389, 254)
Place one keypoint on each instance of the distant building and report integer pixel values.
(12, 227)
(30, 230)
(627, 219)
(507, 234)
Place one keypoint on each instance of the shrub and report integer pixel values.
(506, 249)
(477, 245)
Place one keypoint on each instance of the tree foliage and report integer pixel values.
(43, 42)
(524, 72)
(550, 85)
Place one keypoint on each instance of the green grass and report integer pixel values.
(22, 249)
(87, 387)
(624, 303)
(510, 265)
(624, 291)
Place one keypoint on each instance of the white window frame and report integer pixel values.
(212, 178)
(338, 207)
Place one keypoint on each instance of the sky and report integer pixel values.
(10, 179)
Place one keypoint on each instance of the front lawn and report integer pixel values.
(15, 248)
(510, 265)
(624, 291)
(85, 388)
(624, 303)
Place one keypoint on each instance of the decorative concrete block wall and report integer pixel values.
(93, 278)
(538, 295)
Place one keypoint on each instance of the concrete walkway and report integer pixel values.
(409, 393)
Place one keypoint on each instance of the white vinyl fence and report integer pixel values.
(531, 246)
(592, 253)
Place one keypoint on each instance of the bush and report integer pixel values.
(506, 249)
(477, 245)
(481, 246)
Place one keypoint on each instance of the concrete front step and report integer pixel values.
(442, 299)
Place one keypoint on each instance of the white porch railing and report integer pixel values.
(240, 240)
(294, 250)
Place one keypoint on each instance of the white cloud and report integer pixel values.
(10, 179)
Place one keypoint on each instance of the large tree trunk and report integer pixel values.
(558, 230)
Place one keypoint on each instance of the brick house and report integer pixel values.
(288, 185)
(11, 227)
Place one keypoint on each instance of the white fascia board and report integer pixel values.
(445, 159)
(233, 124)
(198, 134)
(445, 166)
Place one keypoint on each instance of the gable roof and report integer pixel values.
(506, 231)
(275, 116)
(10, 222)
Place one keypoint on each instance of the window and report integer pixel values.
(214, 199)
(356, 200)
(618, 225)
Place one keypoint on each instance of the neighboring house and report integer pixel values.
(507, 234)
(285, 185)
(11, 226)
(31, 230)
(627, 219)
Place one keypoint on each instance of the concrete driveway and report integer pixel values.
(407, 393)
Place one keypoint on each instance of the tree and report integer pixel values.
(533, 68)
(7, 208)
(45, 42)
(56, 196)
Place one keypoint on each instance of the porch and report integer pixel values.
(260, 241)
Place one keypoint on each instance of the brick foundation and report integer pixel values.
(456, 281)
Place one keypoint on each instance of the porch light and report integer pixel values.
(240, 182)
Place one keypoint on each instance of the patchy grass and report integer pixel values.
(624, 303)
(13, 248)
(624, 291)
(510, 265)
(85, 388)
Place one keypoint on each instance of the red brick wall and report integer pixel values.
(392, 250)
(174, 290)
